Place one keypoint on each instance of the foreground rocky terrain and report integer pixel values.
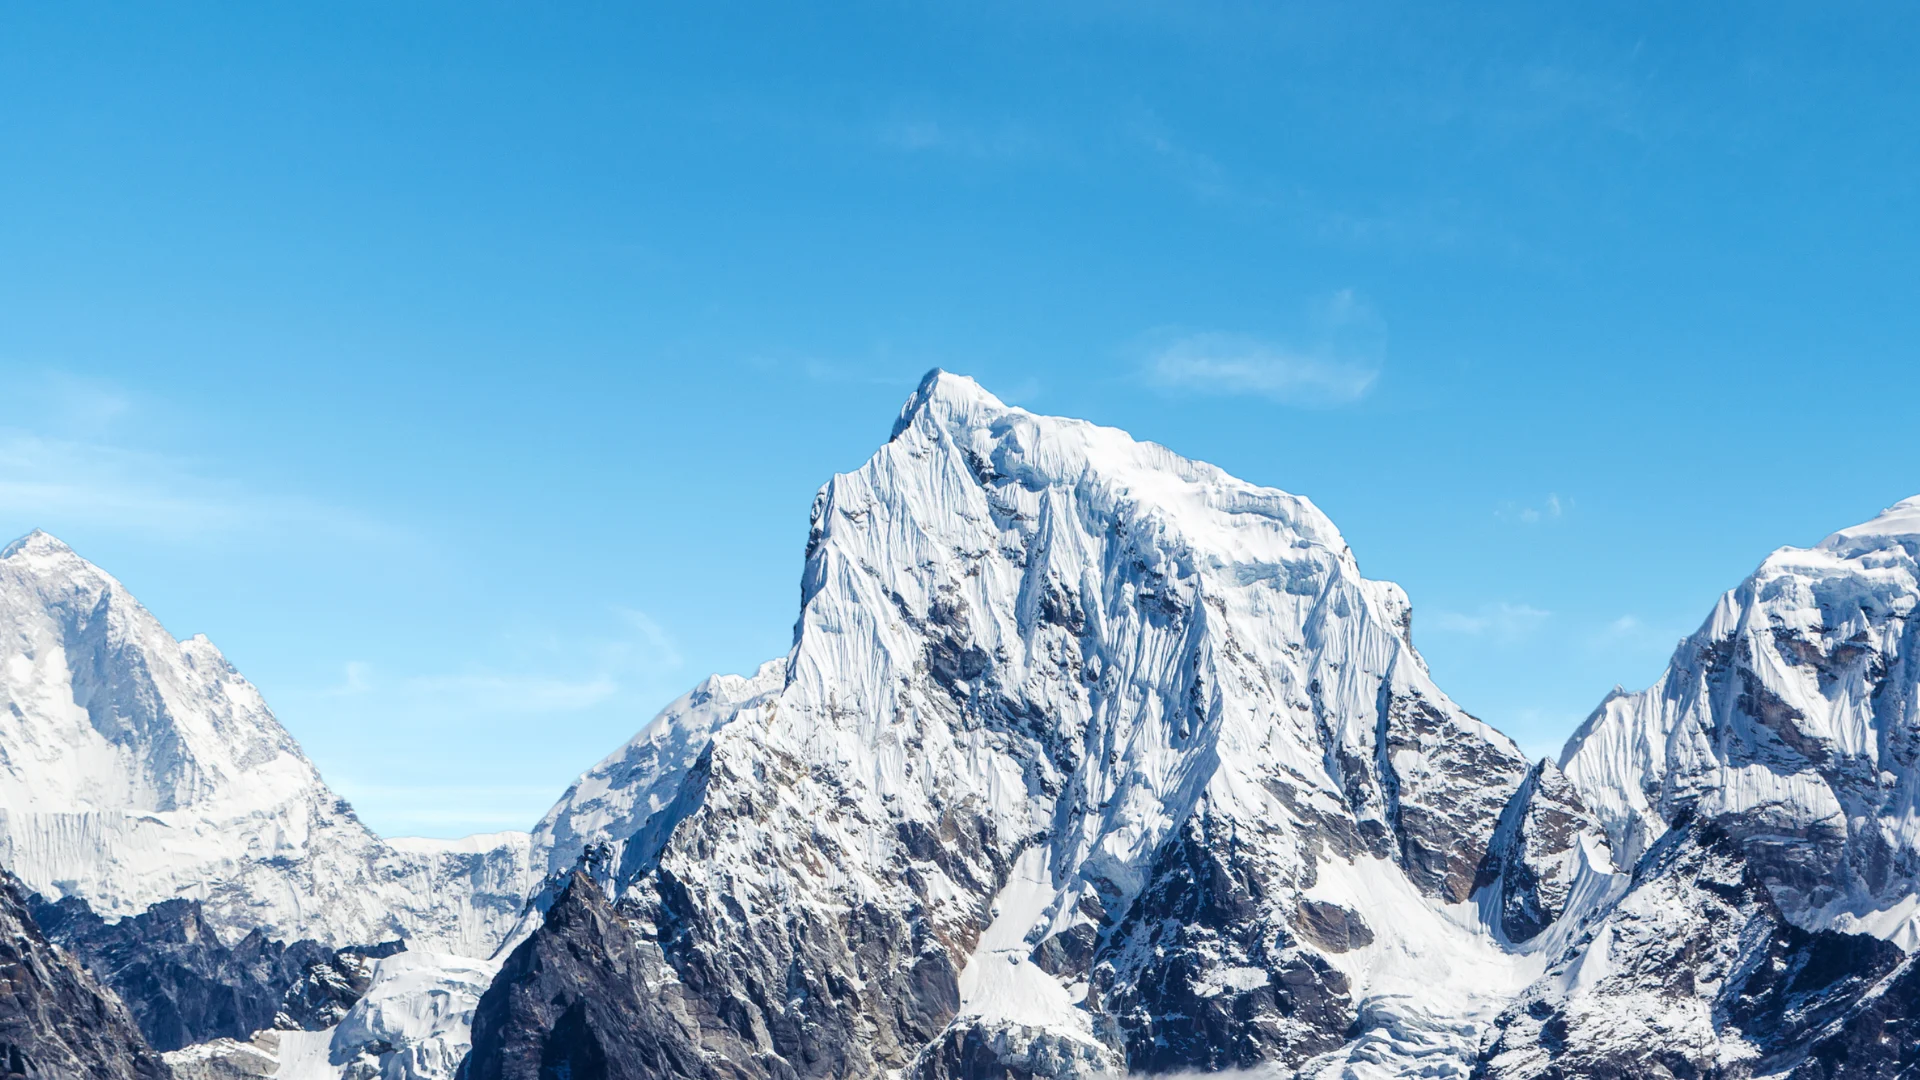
(1086, 759)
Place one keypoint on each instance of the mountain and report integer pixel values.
(1763, 794)
(136, 768)
(56, 1022)
(1086, 757)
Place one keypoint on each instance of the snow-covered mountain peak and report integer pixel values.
(38, 544)
(949, 394)
(136, 767)
(1040, 670)
(1199, 508)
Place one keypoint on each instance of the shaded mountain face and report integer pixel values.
(184, 985)
(56, 1022)
(136, 768)
(1086, 757)
(574, 1000)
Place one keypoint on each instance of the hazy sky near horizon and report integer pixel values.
(466, 371)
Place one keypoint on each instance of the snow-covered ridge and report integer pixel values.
(136, 768)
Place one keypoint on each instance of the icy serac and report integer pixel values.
(1086, 757)
(1763, 794)
(136, 768)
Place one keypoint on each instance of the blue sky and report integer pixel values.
(466, 371)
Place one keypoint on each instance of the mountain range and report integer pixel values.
(1087, 759)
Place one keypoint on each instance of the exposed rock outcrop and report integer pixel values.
(56, 1022)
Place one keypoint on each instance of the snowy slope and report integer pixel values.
(1086, 755)
(136, 768)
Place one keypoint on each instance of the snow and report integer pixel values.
(1429, 984)
(415, 1021)
(1000, 982)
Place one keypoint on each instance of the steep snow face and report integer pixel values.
(136, 768)
(1072, 708)
(1790, 719)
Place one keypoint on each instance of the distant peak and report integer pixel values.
(38, 542)
(956, 394)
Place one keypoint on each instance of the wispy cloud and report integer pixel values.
(1496, 622)
(1632, 634)
(55, 481)
(1218, 363)
(418, 808)
(1197, 171)
(546, 676)
(67, 458)
(1550, 509)
(1339, 365)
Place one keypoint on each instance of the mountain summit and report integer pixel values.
(1086, 755)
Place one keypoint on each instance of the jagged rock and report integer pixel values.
(1696, 973)
(1761, 796)
(184, 985)
(584, 997)
(56, 1022)
(1534, 858)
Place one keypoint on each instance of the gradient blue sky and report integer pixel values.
(466, 371)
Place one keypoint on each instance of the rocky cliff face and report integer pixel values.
(575, 1000)
(56, 1022)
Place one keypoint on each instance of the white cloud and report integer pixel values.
(1497, 622)
(1334, 360)
(1217, 363)
(1552, 508)
(548, 674)
(74, 471)
(355, 679)
(513, 692)
(1631, 634)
